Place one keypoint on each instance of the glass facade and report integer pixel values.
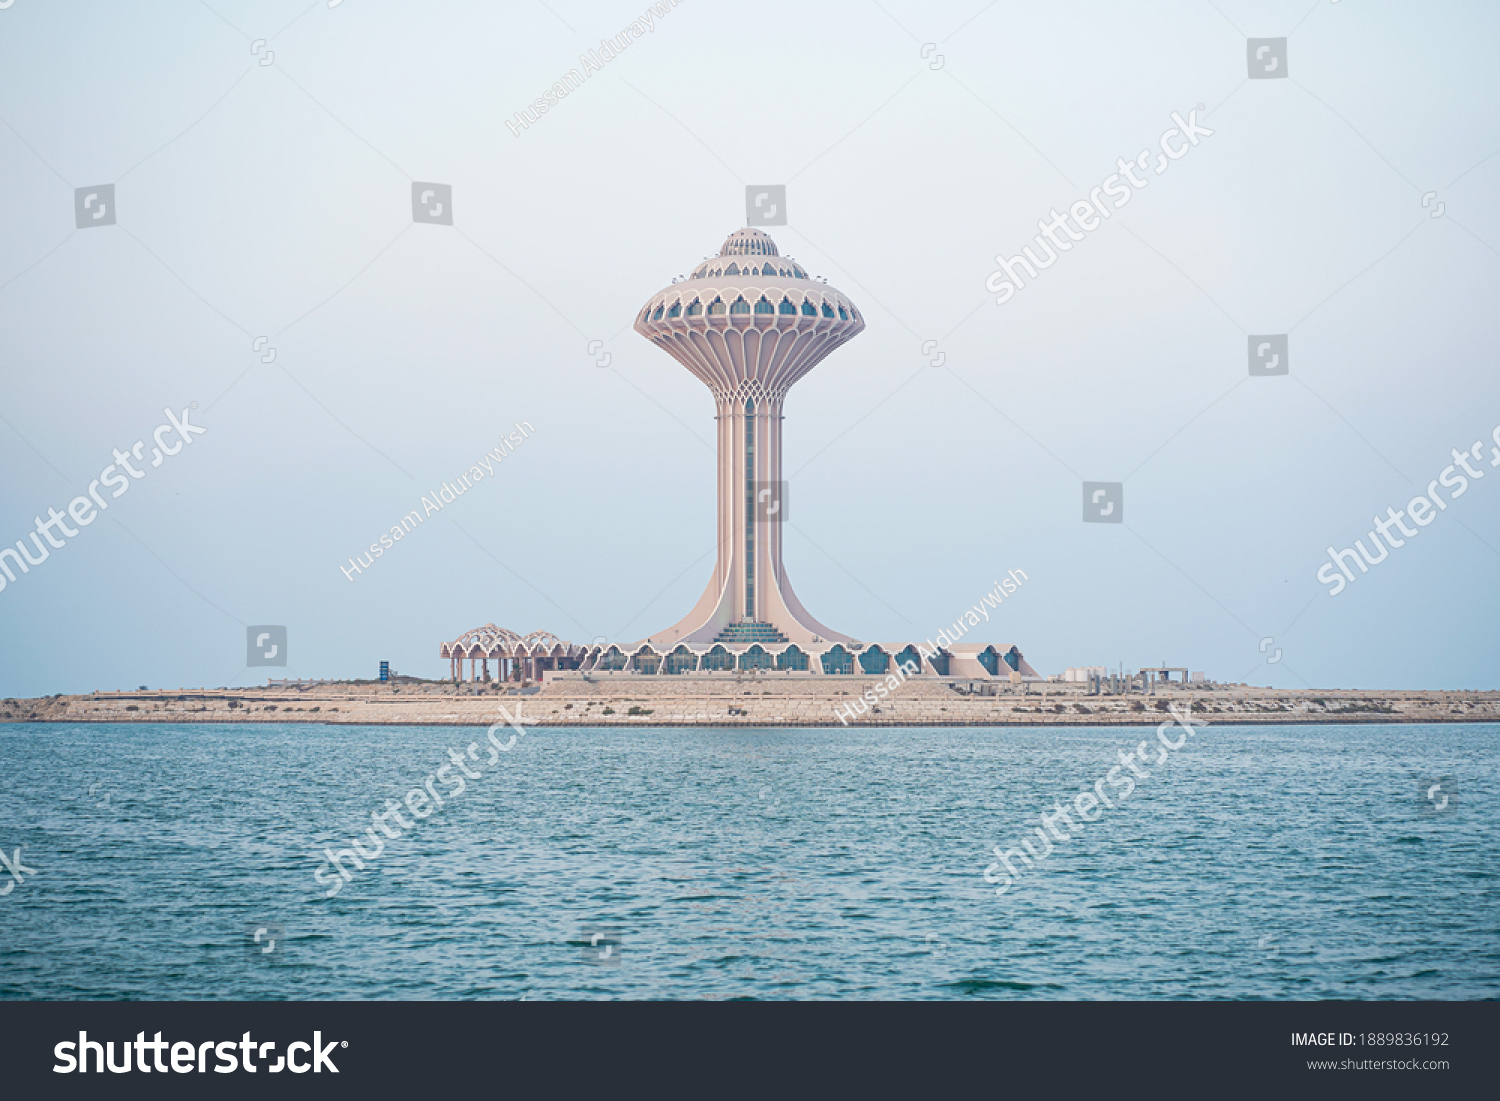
(838, 660)
(749, 509)
(875, 661)
(755, 658)
(792, 658)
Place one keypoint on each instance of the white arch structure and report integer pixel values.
(529, 657)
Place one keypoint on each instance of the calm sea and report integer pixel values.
(1256, 862)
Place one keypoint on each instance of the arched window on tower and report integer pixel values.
(763, 306)
(768, 270)
(739, 305)
(676, 310)
(657, 315)
(842, 314)
(786, 307)
(827, 310)
(695, 308)
(716, 306)
(808, 309)
(732, 269)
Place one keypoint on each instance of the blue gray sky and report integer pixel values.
(275, 200)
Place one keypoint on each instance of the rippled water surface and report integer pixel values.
(1262, 861)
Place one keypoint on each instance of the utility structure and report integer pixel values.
(749, 323)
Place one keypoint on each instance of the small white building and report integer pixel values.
(1082, 674)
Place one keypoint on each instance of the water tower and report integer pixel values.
(749, 323)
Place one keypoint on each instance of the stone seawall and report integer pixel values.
(753, 701)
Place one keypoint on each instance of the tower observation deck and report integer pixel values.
(749, 323)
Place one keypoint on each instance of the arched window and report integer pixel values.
(808, 309)
(657, 315)
(739, 305)
(792, 658)
(910, 656)
(768, 270)
(755, 658)
(695, 308)
(842, 315)
(676, 310)
(798, 272)
(732, 269)
(875, 661)
(718, 658)
(827, 310)
(786, 307)
(764, 307)
(838, 660)
(716, 306)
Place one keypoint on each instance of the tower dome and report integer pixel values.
(748, 242)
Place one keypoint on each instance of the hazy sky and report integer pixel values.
(275, 200)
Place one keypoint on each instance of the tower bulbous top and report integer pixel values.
(749, 315)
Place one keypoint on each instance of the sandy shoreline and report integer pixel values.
(753, 702)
